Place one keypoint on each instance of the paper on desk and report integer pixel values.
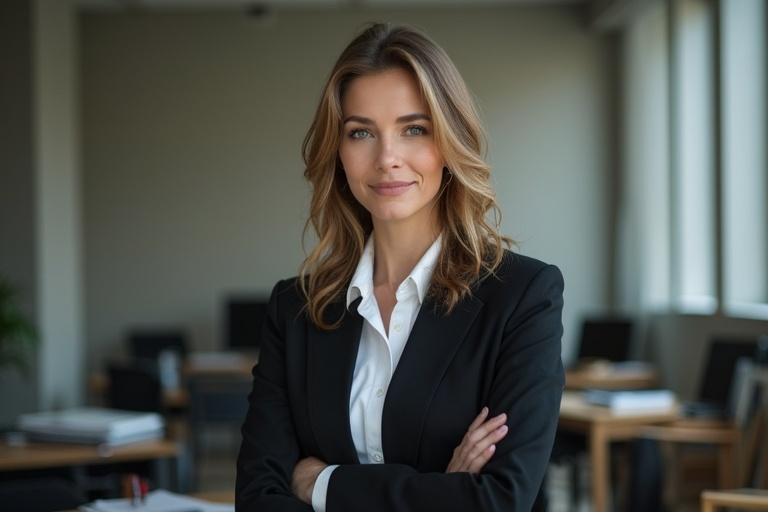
(158, 501)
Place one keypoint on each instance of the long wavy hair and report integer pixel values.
(472, 248)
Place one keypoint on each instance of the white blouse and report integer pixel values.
(377, 355)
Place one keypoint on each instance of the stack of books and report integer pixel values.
(92, 426)
(632, 401)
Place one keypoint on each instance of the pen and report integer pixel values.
(135, 490)
(144, 490)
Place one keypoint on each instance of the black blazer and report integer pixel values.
(500, 347)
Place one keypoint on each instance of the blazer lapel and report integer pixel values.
(330, 367)
(431, 346)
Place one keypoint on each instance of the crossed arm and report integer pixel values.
(527, 388)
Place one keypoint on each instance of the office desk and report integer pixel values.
(742, 499)
(178, 398)
(216, 496)
(604, 377)
(601, 426)
(55, 455)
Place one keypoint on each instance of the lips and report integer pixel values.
(392, 188)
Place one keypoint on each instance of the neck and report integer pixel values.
(397, 249)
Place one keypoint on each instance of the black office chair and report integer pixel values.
(40, 495)
(134, 387)
(150, 343)
(218, 401)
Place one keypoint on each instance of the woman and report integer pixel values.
(414, 364)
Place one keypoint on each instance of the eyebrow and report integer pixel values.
(402, 119)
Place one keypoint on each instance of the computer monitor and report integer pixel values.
(148, 343)
(606, 338)
(244, 319)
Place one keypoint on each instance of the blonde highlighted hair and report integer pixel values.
(471, 247)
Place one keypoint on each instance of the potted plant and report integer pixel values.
(18, 336)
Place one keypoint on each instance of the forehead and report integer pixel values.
(385, 94)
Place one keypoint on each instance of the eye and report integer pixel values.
(416, 130)
(359, 133)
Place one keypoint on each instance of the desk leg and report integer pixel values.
(726, 466)
(599, 457)
(707, 506)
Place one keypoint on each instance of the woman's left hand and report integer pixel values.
(304, 476)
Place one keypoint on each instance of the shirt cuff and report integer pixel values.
(320, 491)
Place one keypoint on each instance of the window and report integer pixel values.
(693, 156)
(745, 168)
(694, 216)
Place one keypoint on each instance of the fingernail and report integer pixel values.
(484, 411)
(503, 428)
(492, 448)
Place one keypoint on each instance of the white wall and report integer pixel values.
(192, 125)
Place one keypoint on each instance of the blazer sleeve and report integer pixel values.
(269, 450)
(527, 385)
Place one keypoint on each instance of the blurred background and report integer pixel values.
(151, 194)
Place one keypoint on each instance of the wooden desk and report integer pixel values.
(744, 499)
(601, 426)
(51, 455)
(55, 455)
(216, 496)
(604, 377)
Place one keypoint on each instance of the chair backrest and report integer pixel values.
(717, 379)
(607, 338)
(149, 343)
(218, 399)
(134, 387)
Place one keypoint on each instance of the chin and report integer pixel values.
(392, 214)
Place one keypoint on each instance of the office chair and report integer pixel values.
(215, 400)
(134, 387)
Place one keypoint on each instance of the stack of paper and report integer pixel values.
(92, 426)
(630, 401)
(158, 501)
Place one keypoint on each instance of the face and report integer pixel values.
(388, 152)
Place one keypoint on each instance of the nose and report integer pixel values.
(388, 156)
